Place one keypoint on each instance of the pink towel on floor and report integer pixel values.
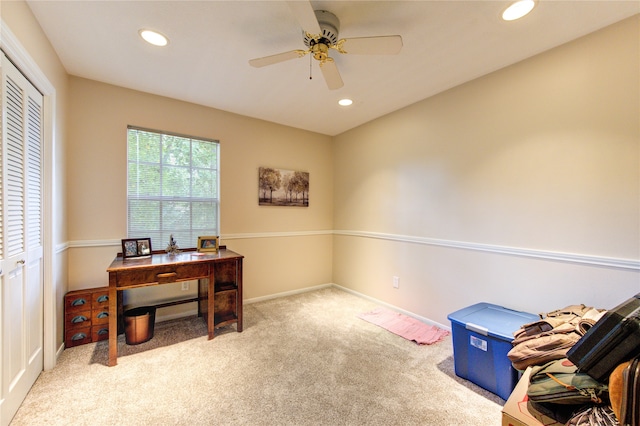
(404, 326)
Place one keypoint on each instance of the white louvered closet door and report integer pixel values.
(21, 248)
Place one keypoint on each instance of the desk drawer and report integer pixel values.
(99, 332)
(77, 336)
(77, 301)
(100, 299)
(77, 319)
(100, 316)
(163, 275)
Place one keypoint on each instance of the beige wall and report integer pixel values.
(286, 248)
(482, 193)
(536, 160)
(35, 47)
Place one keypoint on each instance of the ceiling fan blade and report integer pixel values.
(303, 11)
(274, 59)
(331, 74)
(382, 45)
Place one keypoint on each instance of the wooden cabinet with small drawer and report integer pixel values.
(86, 316)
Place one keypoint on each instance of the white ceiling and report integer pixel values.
(446, 43)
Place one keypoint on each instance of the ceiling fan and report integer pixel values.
(320, 34)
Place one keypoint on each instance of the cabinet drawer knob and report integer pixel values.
(78, 302)
(102, 314)
(78, 336)
(79, 319)
(103, 298)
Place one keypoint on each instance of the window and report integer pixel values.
(172, 187)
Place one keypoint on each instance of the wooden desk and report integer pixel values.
(219, 278)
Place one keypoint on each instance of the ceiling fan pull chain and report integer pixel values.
(310, 67)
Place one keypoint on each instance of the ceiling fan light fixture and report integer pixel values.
(320, 34)
(153, 37)
(518, 9)
(345, 102)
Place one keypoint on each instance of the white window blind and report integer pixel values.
(173, 186)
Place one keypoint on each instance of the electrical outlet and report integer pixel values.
(185, 285)
(396, 282)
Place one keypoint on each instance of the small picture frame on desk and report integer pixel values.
(136, 247)
(208, 244)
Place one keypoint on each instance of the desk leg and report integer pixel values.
(113, 322)
(211, 304)
(239, 295)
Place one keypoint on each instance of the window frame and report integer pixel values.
(160, 237)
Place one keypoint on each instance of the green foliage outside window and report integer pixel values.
(172, 187)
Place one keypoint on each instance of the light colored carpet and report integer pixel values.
(301, 360)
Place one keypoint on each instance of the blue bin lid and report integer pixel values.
(492, 320)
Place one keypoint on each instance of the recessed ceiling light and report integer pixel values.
(345, 102)
(154, 37)
(518, 9)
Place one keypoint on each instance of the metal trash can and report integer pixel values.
(139, 324)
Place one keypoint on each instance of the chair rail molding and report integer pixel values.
(628, 264)
(244, 236)
(584, 259)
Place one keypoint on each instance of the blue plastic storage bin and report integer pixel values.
(482, 335)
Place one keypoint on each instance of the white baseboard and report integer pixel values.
(189, 313)
(394, 308)
(193, 312)
(285, 294)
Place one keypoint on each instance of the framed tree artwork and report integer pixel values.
(278, 187)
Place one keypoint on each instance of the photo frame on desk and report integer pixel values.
(208, 244)
(136, 247)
